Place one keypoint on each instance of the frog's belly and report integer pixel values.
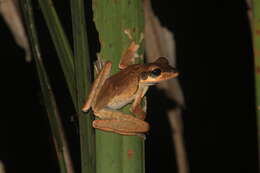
(118, 103)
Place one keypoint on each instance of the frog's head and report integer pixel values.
(158, 71)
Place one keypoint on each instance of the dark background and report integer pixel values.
(214, 57)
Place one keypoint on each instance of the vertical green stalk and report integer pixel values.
(83, 83)
(116, 153)
(59, 139)
(256, 43)
(61, 44)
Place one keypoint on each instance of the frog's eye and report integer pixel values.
(156, 72)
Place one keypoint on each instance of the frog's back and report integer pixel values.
(119, 89)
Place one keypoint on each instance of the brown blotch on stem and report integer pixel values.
(115, 1)
(257, 69)
(257, 52)
(257, 32)
(130, 153)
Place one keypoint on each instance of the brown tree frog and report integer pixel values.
(110, 93)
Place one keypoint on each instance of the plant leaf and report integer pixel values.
(59, 139)
(61, 44)
(83, 83)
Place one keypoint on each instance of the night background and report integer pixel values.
(215, 61)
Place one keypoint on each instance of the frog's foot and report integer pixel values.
(119, 122)
(99, 65)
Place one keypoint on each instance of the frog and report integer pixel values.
(109, 93)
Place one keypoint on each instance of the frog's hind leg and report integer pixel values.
(97, 85)
(121, 127)
(112, 126)
(129, 55)
(118, 122)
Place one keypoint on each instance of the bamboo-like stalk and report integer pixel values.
(117, 22)
(256, 43)
(61, 44)
(83, 83)
(59, 139)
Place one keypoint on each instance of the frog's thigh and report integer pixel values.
(119, 122)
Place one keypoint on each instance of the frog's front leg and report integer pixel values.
(119, 122)
(136, 107)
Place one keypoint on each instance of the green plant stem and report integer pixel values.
(116, 153)
(83, 83)
(61, 44)
(256, 43)
(59, 139)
